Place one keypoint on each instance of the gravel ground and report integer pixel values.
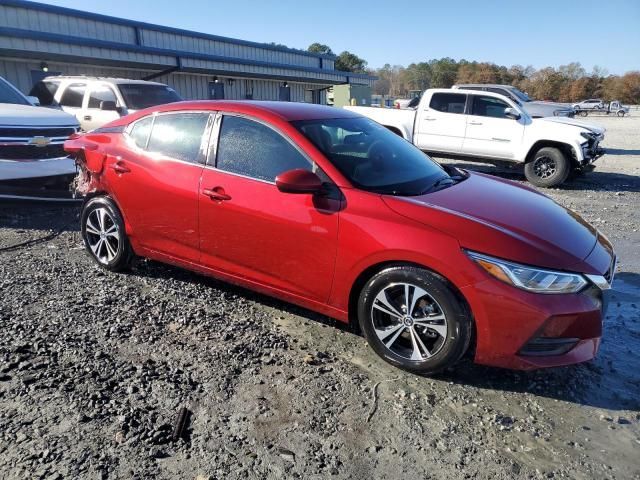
(95, 369)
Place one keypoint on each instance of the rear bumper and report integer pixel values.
(525, 331)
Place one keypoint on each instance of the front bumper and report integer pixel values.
(592, 150)
(525, 331)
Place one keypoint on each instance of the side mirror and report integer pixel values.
(298, 181)
(108, 105)
(34, 100)
(510, 112)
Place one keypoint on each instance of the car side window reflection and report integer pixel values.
(140, 131)
(249, 148)
(488, 107)
(178, 136)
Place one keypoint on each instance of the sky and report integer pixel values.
(540, 33)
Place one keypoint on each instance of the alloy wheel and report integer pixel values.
(408, 321)
(544, 167)
(103, 235)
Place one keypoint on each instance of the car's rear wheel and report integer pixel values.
(549, 167)
(104, 234)
(413, 319)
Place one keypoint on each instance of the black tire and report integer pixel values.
(620, 113)
(438, 349)
(584, 113)
(549, 167)
(104, 234)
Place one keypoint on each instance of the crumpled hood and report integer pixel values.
(12, 114)
(576, 123)
(504, 219)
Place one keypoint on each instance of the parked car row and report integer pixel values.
(32, 159)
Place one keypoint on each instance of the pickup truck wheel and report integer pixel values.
(548, 168)
(620, 113)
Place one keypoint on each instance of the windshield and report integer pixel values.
(139, 95)
(374, 158)
(521, 95)
(9, 95)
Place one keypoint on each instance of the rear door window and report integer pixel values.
(73, 95)
(179, 136)
(448, 102)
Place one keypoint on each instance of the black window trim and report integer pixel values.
(215, 139)
(200, 161)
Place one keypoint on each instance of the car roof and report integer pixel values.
(286, 111)
(483, 85)
(88, 78)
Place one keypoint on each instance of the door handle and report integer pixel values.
(475, 123)
(430, 118)
(87, 117)
(216, 193)
(120, 167)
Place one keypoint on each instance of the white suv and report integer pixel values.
(95, 101)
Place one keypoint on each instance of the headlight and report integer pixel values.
(532, 279)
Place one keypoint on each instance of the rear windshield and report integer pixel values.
(9, 95)
(139, 95)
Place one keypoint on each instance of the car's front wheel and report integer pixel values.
(413, 319)
(104, 234)
(549, 167)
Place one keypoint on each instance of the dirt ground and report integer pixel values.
(96, 367)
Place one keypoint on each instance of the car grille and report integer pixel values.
(28, 133)
(33, 143)
(31, 152)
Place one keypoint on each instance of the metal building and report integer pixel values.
(35, 37)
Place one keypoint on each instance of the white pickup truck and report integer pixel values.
(468, 123)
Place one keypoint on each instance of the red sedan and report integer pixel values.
(329, 210)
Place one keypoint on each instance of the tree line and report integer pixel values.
(567, 83)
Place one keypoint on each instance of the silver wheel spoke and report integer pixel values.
(430, 318)
(395, 337)
(415, 353)
(91, 228)
(100, 214)
(385, 332)
(110, 251)
(439, 329)
(421, 343)
(418, 293)
(96, 247)
(112, 232)
(383, 302)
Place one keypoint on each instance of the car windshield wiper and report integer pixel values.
(440, 184)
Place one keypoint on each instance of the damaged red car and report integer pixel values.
(329, 210)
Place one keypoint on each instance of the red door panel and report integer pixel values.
(282, 240)
(159, 198)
